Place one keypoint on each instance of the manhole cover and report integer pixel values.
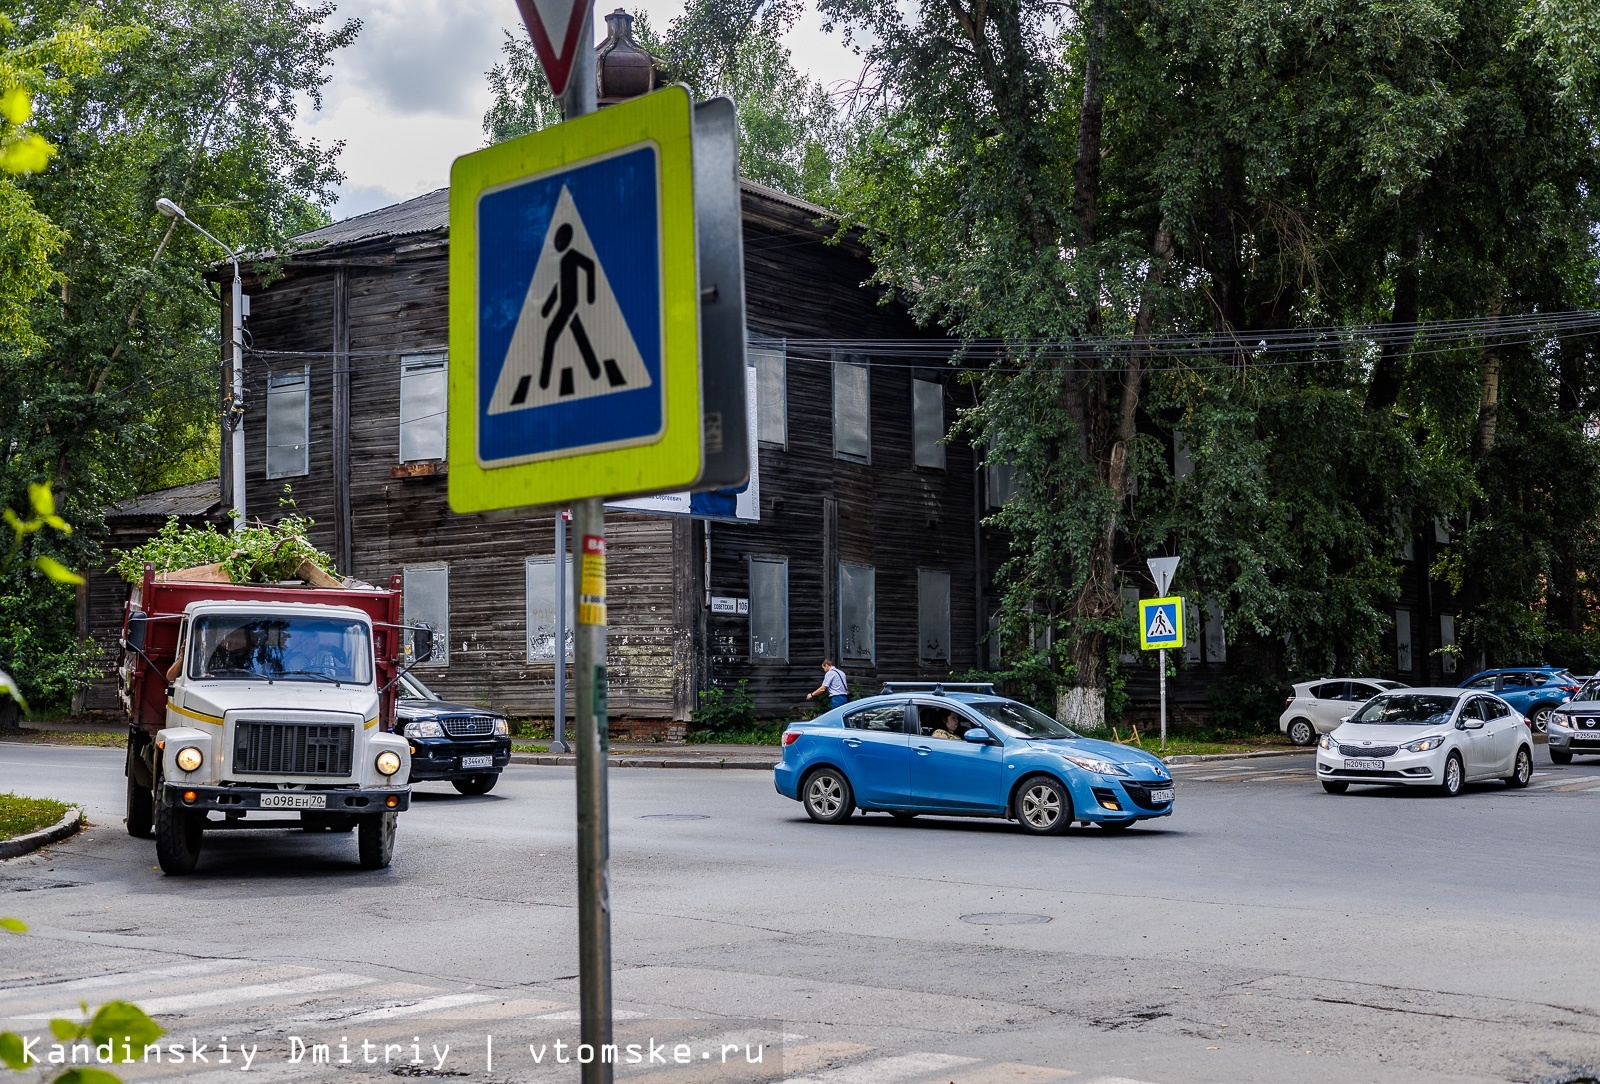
(675, 817)
(1004, 918)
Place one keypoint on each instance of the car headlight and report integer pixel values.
(189, 758)
(424, 728)
(388, 762)
(1326, 741)
(502, 729)
(1094, 764)
(1423, 745)
(1558, 719)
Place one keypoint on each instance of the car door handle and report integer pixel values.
(924, 750)
(852, 742)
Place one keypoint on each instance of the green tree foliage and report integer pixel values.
(1094, 185)
(790, 132)
(110, 382)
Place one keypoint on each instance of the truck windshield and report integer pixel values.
(247, 647)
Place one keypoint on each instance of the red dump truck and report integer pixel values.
(249, 701)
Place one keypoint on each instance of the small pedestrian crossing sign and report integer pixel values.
(1160, 623)
(574, 305)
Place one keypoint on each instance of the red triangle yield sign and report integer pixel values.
(557, 28)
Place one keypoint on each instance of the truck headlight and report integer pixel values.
(501, 729)
(388, 762)
(424, 728)
(189, 758)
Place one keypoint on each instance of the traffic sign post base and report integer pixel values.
(594, 829)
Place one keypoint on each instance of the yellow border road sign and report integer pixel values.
(1160, 623)
(597, 213)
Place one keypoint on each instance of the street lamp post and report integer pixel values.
(235, 413)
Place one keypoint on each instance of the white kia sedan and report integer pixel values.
(1441, 738)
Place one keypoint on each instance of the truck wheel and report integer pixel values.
(141, 810)
(375, 839)
(476, 784)
(178, 835)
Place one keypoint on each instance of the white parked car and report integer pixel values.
(1318, 706)
(1442, 738)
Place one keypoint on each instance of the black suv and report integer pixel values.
(468, 746)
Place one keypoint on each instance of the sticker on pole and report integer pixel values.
(1160, 623)
(574, 304)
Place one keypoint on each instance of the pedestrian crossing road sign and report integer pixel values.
(1160, 623)
(574, 311)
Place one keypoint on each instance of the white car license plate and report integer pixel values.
(1363, 765)
(1161, 795)
(294, 801)
(477, 762)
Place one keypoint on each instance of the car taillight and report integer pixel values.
(1288, 701)
(1570, 690)
(791, 736)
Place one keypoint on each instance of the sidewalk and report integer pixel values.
(633, 755)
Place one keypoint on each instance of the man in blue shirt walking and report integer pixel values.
(834, 683)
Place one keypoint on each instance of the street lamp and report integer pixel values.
(235, 414)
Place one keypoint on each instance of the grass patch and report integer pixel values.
(757, 735)
(1202, 743)
(19, 815)
(96, 738)
(528, 747)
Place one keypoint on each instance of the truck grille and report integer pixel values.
(292, 748)
(468, 726)
(1371, 752)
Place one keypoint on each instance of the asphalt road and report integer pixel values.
(1266, 932)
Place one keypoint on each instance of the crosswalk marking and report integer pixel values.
(304, 988)
(891, 1070)
(1011, 1072)
(432, 1004)
(120, 978)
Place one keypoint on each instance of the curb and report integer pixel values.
(748, 763)
(32, 841)
(1192, 758)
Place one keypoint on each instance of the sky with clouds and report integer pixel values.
(409, 96)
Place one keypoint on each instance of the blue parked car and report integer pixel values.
(1535, 691)
(960, 750)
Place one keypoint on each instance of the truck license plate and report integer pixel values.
(294, 801)
(477, 762)
(1363, 765)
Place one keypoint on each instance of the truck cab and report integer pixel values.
(270, 707)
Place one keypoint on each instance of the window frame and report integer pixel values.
(922, 617)
(529, 563)
(874, 709)
(283, 378)
(441, 634)
(776, 349)
(871, 571)
(424, 363)
(777, 561)
(919, 423)
(842, 363)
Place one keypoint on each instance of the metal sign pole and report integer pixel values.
(589, 669)
(1163, 664)
(558, 743)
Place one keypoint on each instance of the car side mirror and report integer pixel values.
(977, 736)
(138, 633)
(421, 645)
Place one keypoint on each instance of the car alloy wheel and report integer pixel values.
(1541, 718)
(1043, 806)
(1522, 770)
(827, 797)
(1301, 732)
(1453, 777)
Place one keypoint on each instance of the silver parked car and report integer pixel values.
(1316, 707)
(1574, 727)
(1441, 738)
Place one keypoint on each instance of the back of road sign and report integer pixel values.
(574, 311)
(1160, 623)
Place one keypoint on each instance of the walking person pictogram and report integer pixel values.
(564, 299)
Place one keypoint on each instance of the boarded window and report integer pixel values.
(852, 409)
(1130, 610)
(1402, 641)
(1447, 639)
(770, 361)
(999, 480)
(424, 398)
(427, 603)
(857, 612)
(927, 423)
(289, 423)
(769, 609)
(933, 615)
(1216, 635)
(540, 574)
(994, 640)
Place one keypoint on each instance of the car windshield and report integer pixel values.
(412, 689)
(1026, 721)
(1406, 709)
(1590, 690)
(279, 647)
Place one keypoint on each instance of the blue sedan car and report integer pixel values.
(965, 752)
(1535, 691)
